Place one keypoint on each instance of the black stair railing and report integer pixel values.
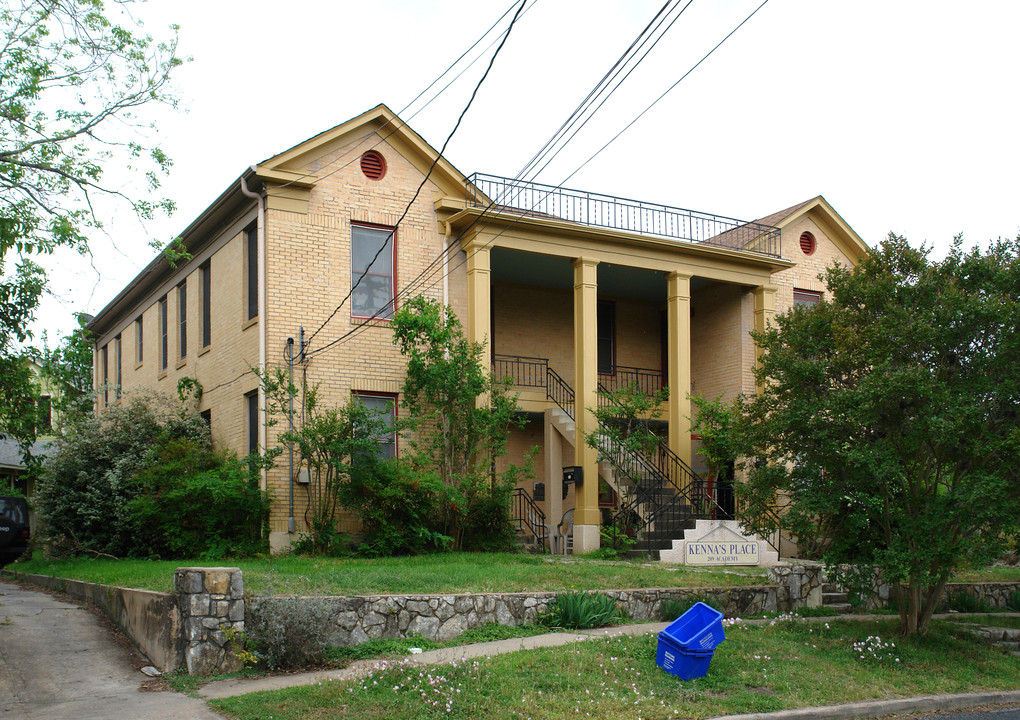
(665, 492)
(528, 517)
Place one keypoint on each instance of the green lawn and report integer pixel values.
(432, 574)
(995, 573)
(758, 669)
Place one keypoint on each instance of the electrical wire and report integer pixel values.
(428, 174)
(402, 123)
(425, 275)
(604, 85)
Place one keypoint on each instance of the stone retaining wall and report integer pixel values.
(444, 617)
(212, 607)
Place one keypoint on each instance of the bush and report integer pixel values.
(400, 510)
(83, 494)
(1013, 603)
(193, 502)
(673, 608)
(964, 603)
(290, 632)
(580, 610)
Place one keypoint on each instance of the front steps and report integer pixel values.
(835, 599)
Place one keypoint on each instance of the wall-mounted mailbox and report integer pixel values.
(573, 474)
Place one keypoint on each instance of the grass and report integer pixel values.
(758, 669)
(1004, 621)
(995, 573)
(427, 574)
(396, 648)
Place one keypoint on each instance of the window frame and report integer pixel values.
(806, 298)
(139, 344)
(392, 398)
(356, 277)
(205, 301)
(251, 265)
(106, 374)
(118, 374)
(251, 407)
(164, 334)
(182, 319)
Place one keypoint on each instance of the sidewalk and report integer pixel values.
(875, 708)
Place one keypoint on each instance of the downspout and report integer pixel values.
(260, 232)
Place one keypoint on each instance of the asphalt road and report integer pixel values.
(58, 663)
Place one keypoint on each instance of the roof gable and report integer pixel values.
(830, 221)
(290, 166)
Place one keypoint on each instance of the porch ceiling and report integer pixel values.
(549, 271)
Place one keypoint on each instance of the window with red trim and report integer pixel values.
(372, 277)
(384, 406)
(806, 297)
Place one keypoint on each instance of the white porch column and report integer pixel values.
(587, 519)
(553, 456)
(479, 297)
(678, 319)
(764, 316)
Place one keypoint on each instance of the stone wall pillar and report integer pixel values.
(211, 602)
(802, 582)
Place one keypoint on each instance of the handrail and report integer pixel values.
(635, 216)
(557, 390)
(529, 517)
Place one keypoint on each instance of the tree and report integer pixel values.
(73, 82)
(888, 420)
(461, 417)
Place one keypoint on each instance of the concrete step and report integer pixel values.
(839, 608)
(833, 598)
(831, 588)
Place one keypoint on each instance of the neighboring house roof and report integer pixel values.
(10, 452)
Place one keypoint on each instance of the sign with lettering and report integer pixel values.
(729, 552)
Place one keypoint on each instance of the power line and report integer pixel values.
(426, 274)
(400, 113)
(604, 85)
(435, 161)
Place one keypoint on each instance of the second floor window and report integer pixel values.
(206, 292)
(252, 282)
(806, 297)
(117, 375)
(164, 337)
(372, 271)
(182, 316)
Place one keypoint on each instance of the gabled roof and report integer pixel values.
(830, 221)
(289, 166)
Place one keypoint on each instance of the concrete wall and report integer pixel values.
(151, 619)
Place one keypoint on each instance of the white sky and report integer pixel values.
(902, 113)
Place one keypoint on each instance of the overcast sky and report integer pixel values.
(902, 113)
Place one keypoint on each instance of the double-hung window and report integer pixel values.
(182, 317)
(384, 408)
(205, 273)
(372, 277)
(164, 334)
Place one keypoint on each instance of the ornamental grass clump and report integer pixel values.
(580, 610)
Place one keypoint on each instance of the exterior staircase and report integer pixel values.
(835, 598)
(663, 495)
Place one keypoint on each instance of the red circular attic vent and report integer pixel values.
(807, 243)
(373, 165)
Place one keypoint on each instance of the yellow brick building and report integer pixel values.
(569, 290)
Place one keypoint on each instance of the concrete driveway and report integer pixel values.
(58, 663)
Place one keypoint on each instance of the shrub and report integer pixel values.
(83, 494)
(670, 610)
(193, 502)
(580, 610)
(964, 603)
(400, 510)
(290, 632)
(1014, 602)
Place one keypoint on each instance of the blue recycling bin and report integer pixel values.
(700, 628)
(685, 664)
(686, 646)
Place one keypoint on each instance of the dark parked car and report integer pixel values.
(13, 528)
